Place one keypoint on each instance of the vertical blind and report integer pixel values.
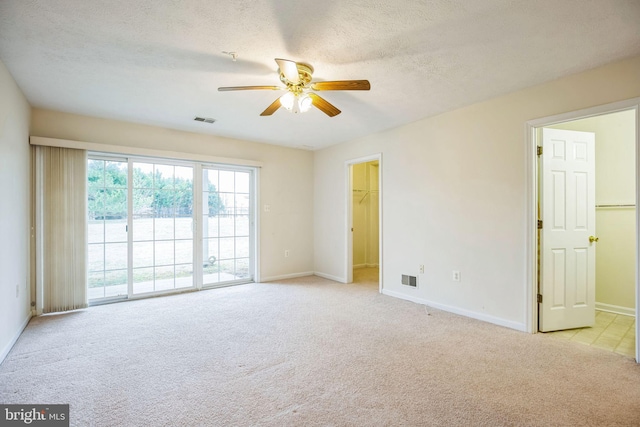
(61, 179)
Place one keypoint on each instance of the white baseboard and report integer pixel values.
(303, 274)
(286, 276)
(455, 310)
(330, 277)
(615, 309)
(355, 267)
(7, 348)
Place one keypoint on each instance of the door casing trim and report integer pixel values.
(531, 202)
(348, 272)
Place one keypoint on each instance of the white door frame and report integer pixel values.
(348, 273)
(531, 304)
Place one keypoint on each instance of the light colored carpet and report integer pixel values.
(309, 352)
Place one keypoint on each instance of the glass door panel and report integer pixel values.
(183, 227)
(107, 228)
(162, 227)
(226, 220)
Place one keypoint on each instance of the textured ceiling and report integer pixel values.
(161, 62)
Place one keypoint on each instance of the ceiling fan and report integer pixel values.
(301, 94)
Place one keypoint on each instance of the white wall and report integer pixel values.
(454, 189)
(15, 309)
(616, 228)
(286, 178)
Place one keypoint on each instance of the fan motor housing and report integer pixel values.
(305, 71)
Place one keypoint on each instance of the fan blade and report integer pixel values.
(225, 89)
(271, 108)
(342, 85)
(323, 105)
(289, 69)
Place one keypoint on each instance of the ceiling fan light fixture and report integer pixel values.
(296, 103)
(305, 102)
(288, 100)
(300, 95)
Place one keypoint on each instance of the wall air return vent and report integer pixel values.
(204, 119)
(410, 280)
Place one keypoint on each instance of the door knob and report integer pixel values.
(593, 239)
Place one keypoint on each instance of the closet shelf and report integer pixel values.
(366, 193)
(621, 206)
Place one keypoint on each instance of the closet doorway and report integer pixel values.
(611, 321)
(364, 214)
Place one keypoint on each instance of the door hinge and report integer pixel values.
(539, 224)
(539, 298)
(539, 150)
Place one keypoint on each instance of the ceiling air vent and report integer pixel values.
(204, 119)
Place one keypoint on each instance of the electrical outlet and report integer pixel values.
(421, 268)
(267, 208)
(286, 253)
(455, 276)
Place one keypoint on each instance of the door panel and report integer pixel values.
(107, 228)
(227, 226)
(559, 197)
(568, 213)
(559, 262)
(162, 227)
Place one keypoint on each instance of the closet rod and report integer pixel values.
(363, 197)
(615, 206)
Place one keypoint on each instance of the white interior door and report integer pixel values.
(567, 262)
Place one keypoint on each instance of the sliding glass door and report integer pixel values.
(143, 232)
(227, 219)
